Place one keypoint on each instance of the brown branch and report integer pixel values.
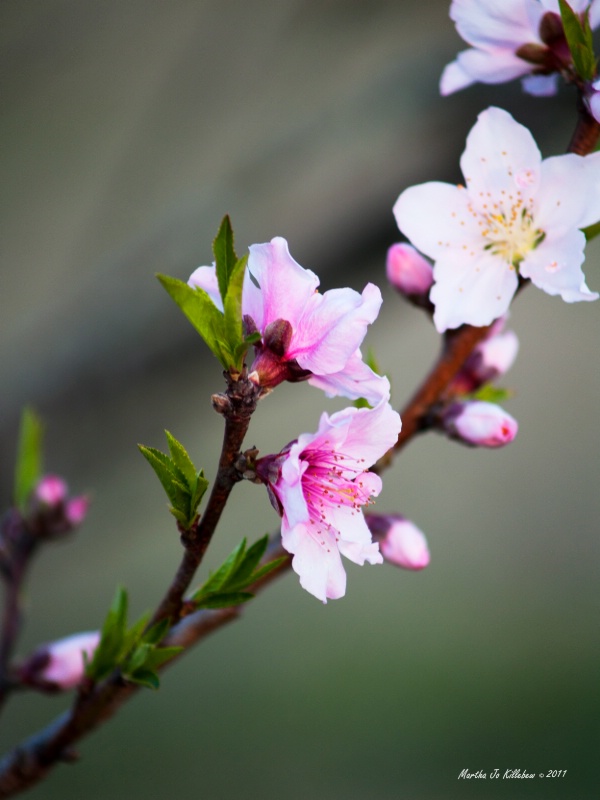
(237, 406)
(587, 131)
(33, 759)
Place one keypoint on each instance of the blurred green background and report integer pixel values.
(128, 129)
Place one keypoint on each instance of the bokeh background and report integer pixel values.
(128, 128)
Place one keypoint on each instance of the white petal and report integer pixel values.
(540, 85)
(436, 218)
(494, 65)
(498, 150)
(474, 292)
(356, 380)
(454, 78)
(319, 566)
(569, 195)
(555, 267)
(497, 23)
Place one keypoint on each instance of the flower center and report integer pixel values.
(325, 487)
(508, 228)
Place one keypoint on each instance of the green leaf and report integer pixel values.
(262, 571)
(224, 600)
(182, 460)
(160, 655)
(232, 306)
(172, 479)
(198, 490)
(579, 38)
(29, 457)
(491, 394)
(219, 578)
(112, 638)
(248, 564)
(144, 677)
(225, 257)
(202, 313)
(156, 633)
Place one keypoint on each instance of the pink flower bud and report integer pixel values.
(76, 510)
(59, 665)
(51, 490)
(400, 541)
(480, 424)
(407, 270)
(496, 355)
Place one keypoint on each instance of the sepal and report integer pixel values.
(28, 466)
(578, 34)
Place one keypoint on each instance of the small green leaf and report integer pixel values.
(232, 306)
(198, 490)
(172, 479)
(219, 578)
(579, 39)
(160, 655)
(156, 633)
(181, 460)
(202, 313)
(112, 638)
(29, 457)
(247, 566)
(262, 571)
(491, 394)
(224, 600)
(144, 677)
(225, 257)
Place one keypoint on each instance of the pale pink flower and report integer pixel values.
(490, 359)
(319, 484)
(305, 335)
(511, 39)
(400, 541)
(60, 665)
(517, 215)
(76, 510)
(407, 270)
(479, 424)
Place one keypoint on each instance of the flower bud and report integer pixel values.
(50, 491)
(479, 424)
(59, 665)
(76, 510)
(400, 541)
(408, 271)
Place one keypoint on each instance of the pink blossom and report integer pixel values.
(76, 510)
(479, 424)
(512, 39)
(407, 270)
(490, 359)
(305, 335)
(319, 484)
(400, 541)
(51, 490)
(60, 664)
(518, 215)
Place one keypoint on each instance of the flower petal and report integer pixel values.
(331, 328)
(356, 380)
(454, 78)
(284, 287)
(319, 566)
(475, 291)
(206, 278)
(499, 150)
(555, 267)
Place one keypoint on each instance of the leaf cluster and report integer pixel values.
(133, 650)
(28, 465)
(579, 38)
(185, 486)
(226, 587)
(221, 330)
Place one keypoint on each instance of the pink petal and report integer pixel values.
(285, 286)
(332, 326)
(555, 267)
(319, 566)
(206, 278)
(354, 381)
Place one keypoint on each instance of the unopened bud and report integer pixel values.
(76, 510)
(479, 424)
(51, 491)
(400, 541)
(60, 665)
(408, 271)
